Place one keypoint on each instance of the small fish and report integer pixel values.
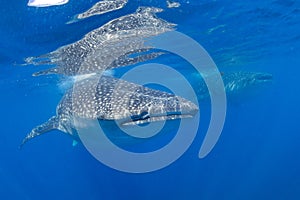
(173, 4)
(100, 8)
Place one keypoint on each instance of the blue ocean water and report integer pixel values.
(256, 156)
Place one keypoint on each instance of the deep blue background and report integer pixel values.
(257, 156)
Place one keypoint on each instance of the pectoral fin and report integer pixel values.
(51, 124)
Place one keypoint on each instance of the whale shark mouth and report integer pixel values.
(143, 119)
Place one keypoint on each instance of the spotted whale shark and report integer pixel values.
(234, 82)
(108, 98)
(114, 44)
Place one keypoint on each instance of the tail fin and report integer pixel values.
(44, 59)
(51, 124)
(46, 72)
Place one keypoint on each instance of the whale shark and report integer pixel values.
(98, 49)
(108, 98)
(237, 81)
(234, 82)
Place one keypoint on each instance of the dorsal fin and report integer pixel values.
(51, 124)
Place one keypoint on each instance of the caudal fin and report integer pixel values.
(51, 124)
(46, 72)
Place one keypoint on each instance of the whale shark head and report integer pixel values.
(262, 77)
(174, 107)
(236, 81)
